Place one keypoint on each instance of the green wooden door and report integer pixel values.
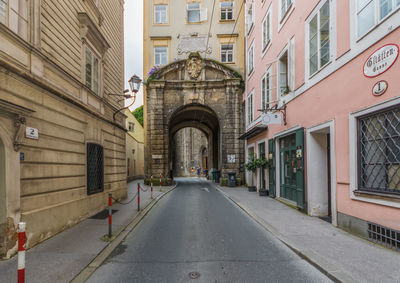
(271, 169)
(291, 153)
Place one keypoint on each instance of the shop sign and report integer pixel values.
(31, 133)
(270, 118)
(381, 60)
(379, 88)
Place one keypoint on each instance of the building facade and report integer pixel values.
(134, 147)
(61, 151)
(325, 75)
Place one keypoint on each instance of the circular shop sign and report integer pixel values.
(381, 60)
(379, 88)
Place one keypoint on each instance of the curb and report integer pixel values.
(85, 273)
(332, 273)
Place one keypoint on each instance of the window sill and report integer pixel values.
(320, 70)
(288, 10)
(266, 46)
(194, 23)
(250, 29)
(378, 196)
(160, 24)
(228, 63)
(226, 21)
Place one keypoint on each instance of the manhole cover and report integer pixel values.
(194, 275)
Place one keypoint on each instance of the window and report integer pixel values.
(160, 14)
(250, 17)
(14, 14)
(250, 61)
(266, 91)
(131, 127)
(227, 53)
(283, 74)
(371, 12)
(92, 71)
(226, 10)
(266, 31)
(250, 108)
(319, 39)
(160, 55)
(285, 5)
(193, 13)
(379, 151)
(95, 168)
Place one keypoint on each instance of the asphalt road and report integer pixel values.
(196, 231)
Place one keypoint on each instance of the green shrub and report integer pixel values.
(238, 181)
(156, 182)
(224, 182)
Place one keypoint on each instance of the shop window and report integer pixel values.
(371, 12)
(226, 10)
(160, 55)
(160, 14)
(227, 54)
(92, 71)
(379, 151)
(95, 168)
(319, 39)
(14, 14)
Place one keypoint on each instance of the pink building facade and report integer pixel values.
(331, 69)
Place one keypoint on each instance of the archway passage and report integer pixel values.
(194, 93)
(192, 129)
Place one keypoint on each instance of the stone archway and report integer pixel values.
(199, 93)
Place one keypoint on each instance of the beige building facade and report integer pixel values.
(61, 151)
(134, 147)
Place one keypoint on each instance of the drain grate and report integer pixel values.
(384, 236)
(194, 275)
(102, 214)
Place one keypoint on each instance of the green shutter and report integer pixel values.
(271, 169)
(300, 197)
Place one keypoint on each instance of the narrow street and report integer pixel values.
(196, 229)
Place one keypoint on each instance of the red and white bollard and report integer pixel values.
(138, 197)
(151, 187)
(21, 251)
(109, 216)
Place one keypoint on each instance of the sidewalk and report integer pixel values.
(62, 257)
(341, 255)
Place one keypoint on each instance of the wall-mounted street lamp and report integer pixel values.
(134, 84)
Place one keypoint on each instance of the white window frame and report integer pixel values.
(202, 13)
(13, 9)
(283, 17)
(250, 107)
(316, 13)
(155, 54)
(226, 11)
(377, 19)
(266, 42)
(233, 53)
(250, 59)
(266, 90)
(250, 20)
(353, 156)
(131, 127)
(160, 14)
(93, 56)
(290, 72)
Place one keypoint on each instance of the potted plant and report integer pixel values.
(251, 165)
(262, 163)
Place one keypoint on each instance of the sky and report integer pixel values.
(133, 19)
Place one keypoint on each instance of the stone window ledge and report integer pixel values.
(378, 196)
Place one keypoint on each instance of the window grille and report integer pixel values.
(384, 236)
(95, 168)
(379, 151)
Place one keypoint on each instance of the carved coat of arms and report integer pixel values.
(194, 66)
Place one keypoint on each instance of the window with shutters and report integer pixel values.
(161, 14)
(226, 10)
(95, 168)
(14, 14)
(319, 39)
(227, 53)
(92, 71)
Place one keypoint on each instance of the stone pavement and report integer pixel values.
(340, 255)
(62, 257)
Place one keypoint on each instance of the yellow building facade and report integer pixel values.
(134, 147)
(61, 151)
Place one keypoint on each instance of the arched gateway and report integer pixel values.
(199, 93)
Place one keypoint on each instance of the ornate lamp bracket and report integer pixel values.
(275, 108)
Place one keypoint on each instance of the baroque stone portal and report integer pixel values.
(199, 93)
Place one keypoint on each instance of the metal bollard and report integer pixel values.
(109, 215)
(138, 197)
(151, 187)
(21, 251)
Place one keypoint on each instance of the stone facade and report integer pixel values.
(59, 60)
(181, 95)
(134, 147)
